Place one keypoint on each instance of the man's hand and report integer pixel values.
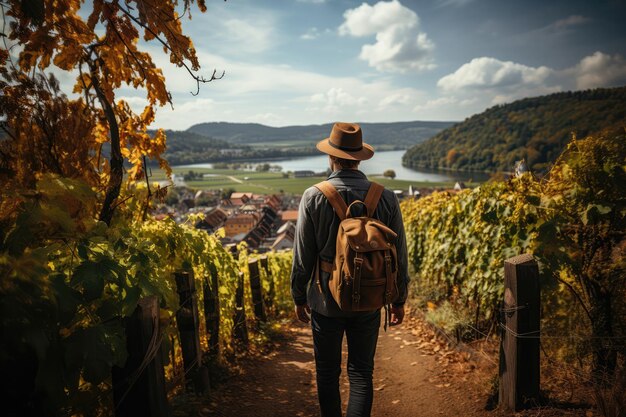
(397, 315)
(303, 313)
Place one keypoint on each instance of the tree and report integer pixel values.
(47, 131)
(263, 167)
(390, 173)
(56, 180)
(226, 193)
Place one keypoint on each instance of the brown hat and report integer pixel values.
(346, 142)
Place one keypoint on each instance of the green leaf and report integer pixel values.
(108, 310)
(93, 288)
(83, 251)
(129, 303)
(67, 298)
(89, 275)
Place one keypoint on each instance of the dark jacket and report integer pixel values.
(316, 233)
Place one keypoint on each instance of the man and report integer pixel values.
(316, 233)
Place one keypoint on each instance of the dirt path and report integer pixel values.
(415, 375)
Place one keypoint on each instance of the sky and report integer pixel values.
(300, 62)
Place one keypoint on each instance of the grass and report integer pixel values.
(273, 182)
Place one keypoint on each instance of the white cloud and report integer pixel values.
(486, 72)
(485, 81)
(399, 46)
(310, 34)
(443, 102)
(314, 33)
(396, 99)
(250, 90)
(335, 99)
(136, 103)
(250, 36)
(600, 70)
(186, 113)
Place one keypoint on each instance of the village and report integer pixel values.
(266, 222)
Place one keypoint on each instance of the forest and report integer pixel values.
(535, 129)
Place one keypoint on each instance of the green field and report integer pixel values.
(272, 182)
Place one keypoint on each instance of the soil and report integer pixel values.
(416, 374)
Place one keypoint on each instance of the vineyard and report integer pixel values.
(82, 257)
(573, 221)
(69, 281)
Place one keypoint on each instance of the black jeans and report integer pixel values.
(362, 334)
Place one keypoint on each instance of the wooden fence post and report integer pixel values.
(188, 328)
(256, 290)
(139, 387)
(519, 347)
(212, 312)
(240, 331)
(269, 297)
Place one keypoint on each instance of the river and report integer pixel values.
(381, 162)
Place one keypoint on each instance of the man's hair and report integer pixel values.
(346, 163)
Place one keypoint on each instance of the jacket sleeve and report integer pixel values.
(304, 251)
(397, 225)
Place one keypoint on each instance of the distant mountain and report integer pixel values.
(399, 135)
(536, 129)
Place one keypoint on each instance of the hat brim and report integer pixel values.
(365, 153)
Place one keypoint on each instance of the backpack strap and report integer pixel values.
(372, 197)
(333, 198)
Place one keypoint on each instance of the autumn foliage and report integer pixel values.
(77, 250)
(48, 132)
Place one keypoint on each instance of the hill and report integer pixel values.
(397, 135)
(185, 147)
(536, 129)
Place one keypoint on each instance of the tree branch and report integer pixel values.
(199, 79)
(116, 161)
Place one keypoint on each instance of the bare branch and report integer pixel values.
(181, 61)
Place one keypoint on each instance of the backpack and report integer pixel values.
(364, 271)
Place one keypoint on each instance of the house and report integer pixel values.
(178, 180)
(413, 192)
(212, 221)
(273, 201)
(285, 236)
(289, 216)
(248, 208)
(262, 229)
(240, 199)
(282, 242)
(240, 223)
